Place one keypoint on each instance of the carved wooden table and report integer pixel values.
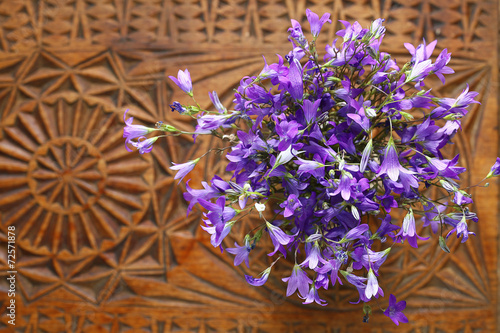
(103, 242)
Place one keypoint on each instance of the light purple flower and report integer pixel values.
(241, 252)
(422, 52)
(296, 34)
(391, 166)
(144, 145)
(279, 238)
(408, 230)
(133, 131)
(371, 285)
(315, 22)
(313, 256)
(183, 168)
(312, 296)
(215, 100)
(298, 280)
(355, 233)
(259, 281)
(183, 80)
(291, 205)
(461, 229)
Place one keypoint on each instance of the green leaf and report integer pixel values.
(367, 310)
(442, 243)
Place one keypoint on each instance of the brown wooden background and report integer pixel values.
(103, 243)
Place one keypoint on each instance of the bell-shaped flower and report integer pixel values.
(279, 238)
(215, 100)
(183, 80)
(183, 168)
(391, 166)
(312, 296)
(461, 229)
(495, 169)
(310, 110)
(291, 205)
(355, 233)
(371, 285)
(241, 252)
(395, 310)
(298, 280)
(408, 230)
(315, 22)
(143, 145)
(313, 256)
(259, 281)
(131, 131)
(295, 81)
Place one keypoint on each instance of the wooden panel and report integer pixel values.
(103, 241)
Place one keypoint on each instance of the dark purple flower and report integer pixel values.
(183, 80)
(395, 310)
(295, 82)
(310, 110)
(176, 106)
(315, 22)
(495, 169)
(386, 228)
(259, 281)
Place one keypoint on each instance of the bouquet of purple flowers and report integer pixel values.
(324, 150)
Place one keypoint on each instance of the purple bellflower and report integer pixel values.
(183, 81)
(495, 169)
(241, 252)
(298, 280)
(312, 296)
(395, 310)
(279, 238)
(131, 131)
(408, 231)
(321, 145)
(184, 168)
(144, 145)
(315, 22)
(259, 281)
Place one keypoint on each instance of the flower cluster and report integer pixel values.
(325, 150)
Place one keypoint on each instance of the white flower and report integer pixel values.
(260, 207)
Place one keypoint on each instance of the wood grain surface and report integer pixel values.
(103, 241)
